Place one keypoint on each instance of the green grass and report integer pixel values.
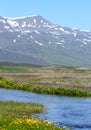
(18, 67)
(19, 109)
(60, 90)
(45, 89)
(11, 68)
(28, 124)
(16, 116)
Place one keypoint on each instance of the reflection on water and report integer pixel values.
(70, 111)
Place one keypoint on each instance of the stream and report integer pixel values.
(70, 111)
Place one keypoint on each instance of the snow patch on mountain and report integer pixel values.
(59, 43)
(84, 42)
(13, 23)
(63, 46)
(10, 30)
(67, 32)
(36, 31)
(23, 24)
(55, 33)
(6, 27)
(75, 34)
(14, 40)
(30, 25)
(41, 44)
(15, 18)
(41, 21)
(85, 30)
(61, 29)
(18, 35)
(87, 40)
(3, 21)
(31, 37)
(35, 21)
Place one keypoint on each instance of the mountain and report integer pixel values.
(33, 39)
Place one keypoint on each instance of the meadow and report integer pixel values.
(52, 79)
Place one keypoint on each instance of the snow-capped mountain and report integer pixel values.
(33, 39)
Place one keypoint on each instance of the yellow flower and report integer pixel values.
(49, 123)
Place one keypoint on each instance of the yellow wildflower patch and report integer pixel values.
(27, 124)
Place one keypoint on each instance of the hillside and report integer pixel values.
(33, 39)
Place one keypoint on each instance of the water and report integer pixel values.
(72, 112)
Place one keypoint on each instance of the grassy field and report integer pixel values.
(16, 116)
(54, 79)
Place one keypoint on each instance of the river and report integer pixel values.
(70, 111)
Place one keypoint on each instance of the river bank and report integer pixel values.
(17, 115)
(53, 79)
(73, 112)
(10, 83)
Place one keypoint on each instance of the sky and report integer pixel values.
(67, 13)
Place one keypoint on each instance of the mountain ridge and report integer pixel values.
(33, 39)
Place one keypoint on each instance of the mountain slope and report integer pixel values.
(33, 39)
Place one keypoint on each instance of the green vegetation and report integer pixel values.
(16, 116)
(27, 124)
(19, 109)
(52, 79)
(61, 91)
(45, 89)
(17, 67)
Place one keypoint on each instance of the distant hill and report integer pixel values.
(33, 39)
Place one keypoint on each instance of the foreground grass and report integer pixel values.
(19, 109)
(27, 124)
(15, 116)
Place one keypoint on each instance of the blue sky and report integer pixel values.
(69, 13)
